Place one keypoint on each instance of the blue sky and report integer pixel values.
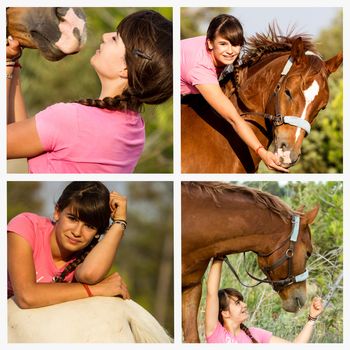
(309, 20)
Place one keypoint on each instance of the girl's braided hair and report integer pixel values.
(89, 201)
(148, 41)
(224, 302)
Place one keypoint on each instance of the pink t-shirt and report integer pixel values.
(36, 230)
(197, 67)
(82, 139)
(221, 335)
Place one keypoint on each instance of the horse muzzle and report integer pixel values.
(293, 299)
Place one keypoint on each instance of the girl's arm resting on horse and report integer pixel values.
(304, 336)
(23, 140)
(222, 105)
(99, 261)
(212, 301)
(30, 294)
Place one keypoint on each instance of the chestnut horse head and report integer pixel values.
(55, 31)
(220, 219)
(279, 89)
(300, 88)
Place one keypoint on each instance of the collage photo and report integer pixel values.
(175, 174)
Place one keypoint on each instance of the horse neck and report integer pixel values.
(232, 227)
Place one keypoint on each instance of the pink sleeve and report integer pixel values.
(261, 335)
(218, 336)
(24, 226)
(54, 125)
(201, 74)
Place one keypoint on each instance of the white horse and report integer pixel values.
(91, 320)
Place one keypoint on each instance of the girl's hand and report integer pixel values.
(271, 160)
(111, 286)
(118, 206)
(316, 307)
(13, 49)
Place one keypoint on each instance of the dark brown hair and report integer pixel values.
(148, 41)
(228, 27)
(224, 302)
(89, 201)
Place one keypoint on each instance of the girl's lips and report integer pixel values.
(73, 240)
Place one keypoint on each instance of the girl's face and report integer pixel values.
(72, 234)
(109, 59)
(222, 51)
(237, 311)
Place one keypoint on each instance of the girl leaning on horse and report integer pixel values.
(203, 60)
(78, 246)
(106, 134)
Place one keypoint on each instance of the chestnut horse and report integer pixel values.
(220, 219)
(55, 31)
(279, 89)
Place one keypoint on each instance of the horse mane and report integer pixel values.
(273, 41)
(262, 199)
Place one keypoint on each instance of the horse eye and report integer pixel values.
(288, 93)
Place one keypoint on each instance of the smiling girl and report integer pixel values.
(203, 60)
(77, 247)
(106, 134)
(226, 312)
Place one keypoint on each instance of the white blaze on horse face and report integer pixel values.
(310, 93)
(68, 43)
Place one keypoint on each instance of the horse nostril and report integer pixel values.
(297, 301)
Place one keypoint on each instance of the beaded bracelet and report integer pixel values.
(121, 222)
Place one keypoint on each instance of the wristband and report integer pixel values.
(310, 318)
(88, 290)
(257, 149)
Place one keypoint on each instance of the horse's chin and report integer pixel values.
(293, 300)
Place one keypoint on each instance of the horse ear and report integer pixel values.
(301, 209)
(297, 51)
(333, 63)
(311, 215)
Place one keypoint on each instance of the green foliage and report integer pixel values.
(45, 83)
(22, 197)
(325, 265)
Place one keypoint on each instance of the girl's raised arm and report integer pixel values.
(212, 301)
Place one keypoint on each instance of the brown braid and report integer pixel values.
(246, 330)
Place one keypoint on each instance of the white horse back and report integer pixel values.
(91, 320)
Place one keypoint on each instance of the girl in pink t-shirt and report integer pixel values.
(103, 135)
(226, 312)
(42, 254)
(202, 61)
